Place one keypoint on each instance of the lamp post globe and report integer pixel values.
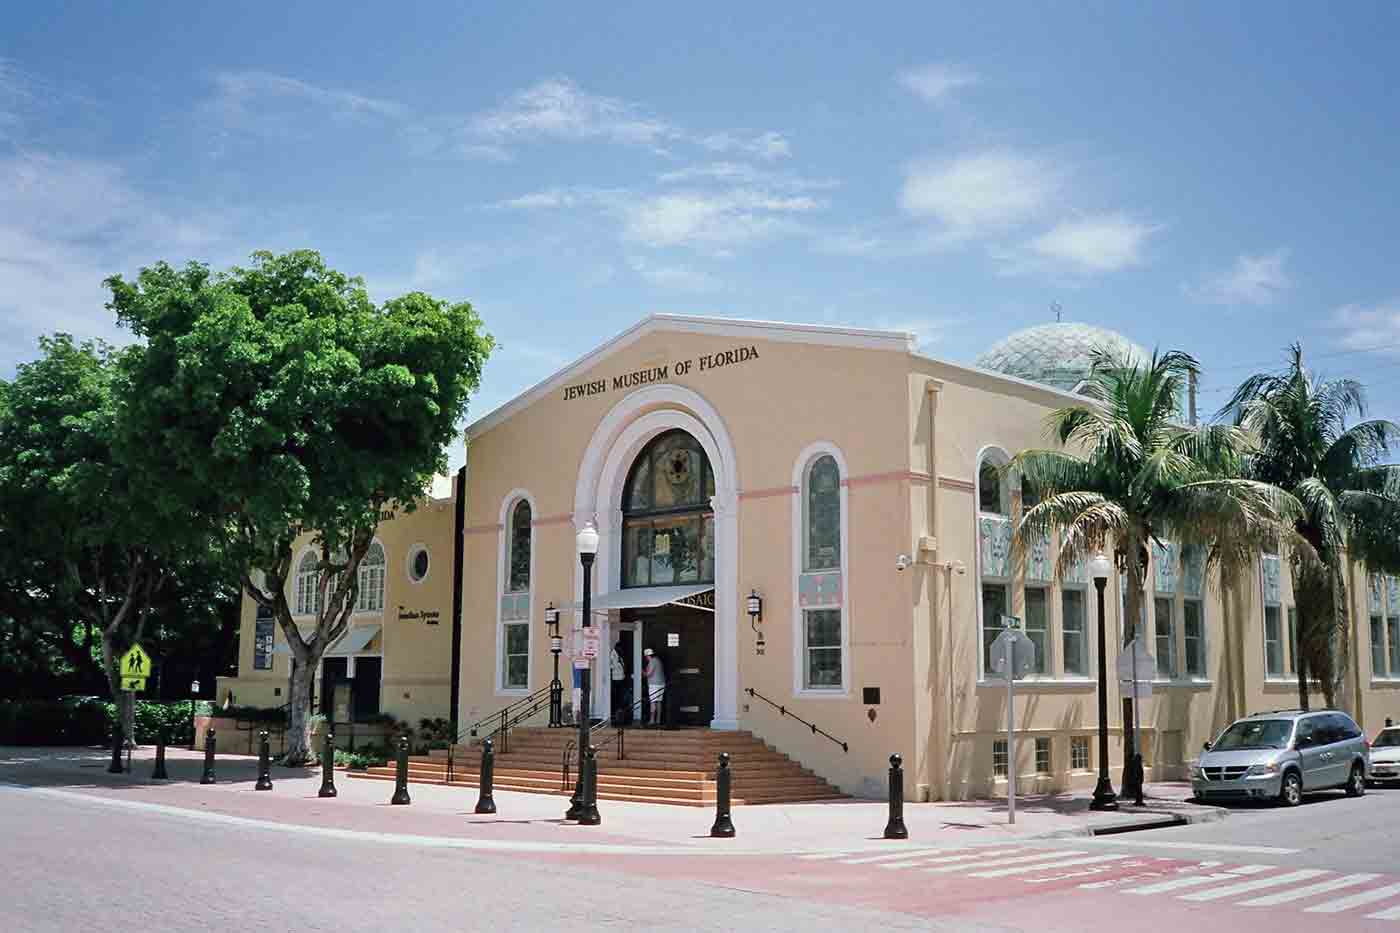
(1104, 798)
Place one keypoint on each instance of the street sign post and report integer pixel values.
(591, 642)
(1013, 656)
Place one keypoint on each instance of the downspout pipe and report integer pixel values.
(459, 516)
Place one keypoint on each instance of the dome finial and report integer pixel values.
(1057, 308)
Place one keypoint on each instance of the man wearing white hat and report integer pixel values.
(654, 672)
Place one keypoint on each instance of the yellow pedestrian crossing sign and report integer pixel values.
(135, 664)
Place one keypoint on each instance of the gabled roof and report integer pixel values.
(740, 329)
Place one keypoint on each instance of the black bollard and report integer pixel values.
(895, 828)
(724, 826)
(115, 767)
(264, 762)
(328, 767)
(158, 774)
(209, 746)
(589, 816)
(486, 803)
(401, 797)
(576, 801)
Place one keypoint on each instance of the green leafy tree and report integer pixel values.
(276, 398)
(1129, 472)
(82, 557)
(1350, 498)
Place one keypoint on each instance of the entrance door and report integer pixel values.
(684, 640)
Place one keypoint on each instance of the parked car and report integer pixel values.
(1385, 756)
(1282, 755)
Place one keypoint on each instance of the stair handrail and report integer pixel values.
(619, 736)
(504, 719)
(239, 719)
(816, 730)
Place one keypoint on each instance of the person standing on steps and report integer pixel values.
(654, 672)
(620, 704)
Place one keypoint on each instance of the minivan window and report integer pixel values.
(1254, 733)
(1389, 738)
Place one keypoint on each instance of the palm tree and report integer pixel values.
(1350, 499)
(1129, 472)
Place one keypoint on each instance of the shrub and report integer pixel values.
(88, 721)
(369, 756)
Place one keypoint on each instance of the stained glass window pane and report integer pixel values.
(989, 489)
(823, 515)
(676, 472)
(823, 648)
(639, 488)
(636, 554)
(520, 548)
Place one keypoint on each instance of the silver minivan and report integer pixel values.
(1282, 755)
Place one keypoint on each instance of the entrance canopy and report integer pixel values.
(694, 596)
(352, 642)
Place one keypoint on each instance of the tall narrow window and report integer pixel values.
(1273, 642)
(1037, 625)
(515, 663)
(1194, 639)
(994, 534)
(989, 492)
(519, 581)
(371, 595)
(1166, 639)
(1073, 624)
(1000, 764)
(308, 590)
(820, 635)
(1393, 633)
(1379, 667)
(1042, 754)
(994, 606)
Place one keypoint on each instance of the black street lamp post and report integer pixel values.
(1104, 798)
(194, 701)
(587, 541)
(556, 689)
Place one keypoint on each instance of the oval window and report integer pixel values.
(418, 564)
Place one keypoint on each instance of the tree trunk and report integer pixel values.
(1300, 663)
(1133, 601)
(299, 715)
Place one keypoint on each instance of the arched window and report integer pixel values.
(371, 596)
(821, 501)
(990, 494)
(308, 593)
(667, 524)
(519, 548)
(994, 554)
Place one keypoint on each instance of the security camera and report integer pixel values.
(901, 562)
(960, 567)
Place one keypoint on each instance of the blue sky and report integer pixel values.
(1218, 177)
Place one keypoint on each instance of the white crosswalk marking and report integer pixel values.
(888, 856)
(1193, 881)
(1032, 869)
(1230, 890)
(823, 856)
(1391, 914)
(970, 857)
(1297, 894)
(1025, 859)
(1354, 900)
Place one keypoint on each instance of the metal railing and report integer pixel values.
(619, 736)
(501, 722)
(816, 730)
(253, 725)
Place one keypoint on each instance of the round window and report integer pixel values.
(418, 564)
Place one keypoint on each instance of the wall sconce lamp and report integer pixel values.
(755, 607)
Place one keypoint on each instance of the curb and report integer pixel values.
(1145, 819)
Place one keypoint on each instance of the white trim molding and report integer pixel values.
(620, 437)
(800, 470)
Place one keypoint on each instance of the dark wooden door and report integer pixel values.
(684, 640)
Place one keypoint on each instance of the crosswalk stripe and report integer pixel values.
(888, 856)
(1354, 900)
(823, 856)
(1230, 890)
(1392, 913)
(1297, 894)
(1043, 857)
(1032, 869)
(1192, 881)
(975, 856)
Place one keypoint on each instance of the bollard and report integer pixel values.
(264, 763)
(486, 803)
(401, 797)
(209, 745)
(895, 828)
(328, 767)
(589, 816)
(724, 826)
(116, 765)
(158, 774)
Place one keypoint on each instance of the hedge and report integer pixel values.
(88, 721)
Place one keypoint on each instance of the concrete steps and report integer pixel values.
(673, 767)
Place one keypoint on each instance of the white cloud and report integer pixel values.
(560, 108)
(1370, 328)
(541, 200)
(1097, 243)
(765, 146)
(694, 217)
(979, 193)
(263, 101)
(739, 173)
(934, 82)
(15, 98)
(1256, 280)
(672, 276)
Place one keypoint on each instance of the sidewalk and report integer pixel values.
(533, 822)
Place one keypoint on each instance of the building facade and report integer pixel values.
(851, 485)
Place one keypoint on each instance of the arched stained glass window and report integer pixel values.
(667, 523)
(519, 581)
(989, 497)
(822, 501)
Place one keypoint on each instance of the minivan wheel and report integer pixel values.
(1290, 792)
(1356, 784)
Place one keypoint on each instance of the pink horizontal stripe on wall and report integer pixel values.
(482, 529)
(870, 479)
(768, 493)
(952, 482)
(554, 519)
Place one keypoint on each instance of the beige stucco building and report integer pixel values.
(849, 483)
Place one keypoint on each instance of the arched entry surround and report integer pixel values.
(620, 437)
